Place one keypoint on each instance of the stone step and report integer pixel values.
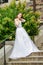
(25, 63)
(7, 48)
(34, 58)
(40, 53)
(36, 54)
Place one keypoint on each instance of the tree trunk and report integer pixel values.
(34, 5)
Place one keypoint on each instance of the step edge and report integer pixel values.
(26, 62)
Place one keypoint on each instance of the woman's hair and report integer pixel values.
(18, 14)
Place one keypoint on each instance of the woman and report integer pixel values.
(23, 45)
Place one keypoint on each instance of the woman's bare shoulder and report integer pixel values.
(15, 19)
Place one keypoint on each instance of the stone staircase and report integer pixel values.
(26, 63)
(35, 58)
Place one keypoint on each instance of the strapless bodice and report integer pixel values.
(19, 25)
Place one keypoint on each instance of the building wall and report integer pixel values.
(39, 1)
(40, 6)
(9, 1)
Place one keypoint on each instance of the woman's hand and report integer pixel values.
(23, 20)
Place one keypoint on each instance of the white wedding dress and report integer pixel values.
(23, 45)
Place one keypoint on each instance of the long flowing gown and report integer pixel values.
(23, 45)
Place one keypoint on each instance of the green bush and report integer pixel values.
(8, 14)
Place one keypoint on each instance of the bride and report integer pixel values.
(23, 45)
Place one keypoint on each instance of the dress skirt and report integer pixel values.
(23, 45)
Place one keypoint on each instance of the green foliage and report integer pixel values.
(8, 14)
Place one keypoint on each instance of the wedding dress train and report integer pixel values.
(23, 45)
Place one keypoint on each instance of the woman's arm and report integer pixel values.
(16, 22)
(23, 20)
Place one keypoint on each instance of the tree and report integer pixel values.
(34, 5)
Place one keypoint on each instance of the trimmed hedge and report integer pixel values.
(8, 14)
